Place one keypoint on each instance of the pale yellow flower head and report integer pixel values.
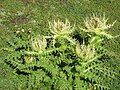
(98, 25)
(86, 52)
(28, 59)
(59, 27)
(39, 43)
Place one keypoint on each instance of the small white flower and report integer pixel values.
(16, 25)
(19, 13)
(34, 21)
(29, 31)
(23, 30)
(17, 32)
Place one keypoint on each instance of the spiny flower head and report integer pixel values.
(28, 59)
(98, 25)
(39, 43)
(59, 27)
(86, 52)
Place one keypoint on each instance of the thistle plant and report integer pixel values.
(98, 25)
(67, 66)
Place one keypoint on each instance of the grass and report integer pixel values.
(32, 16)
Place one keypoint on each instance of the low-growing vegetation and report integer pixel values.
(56, 53)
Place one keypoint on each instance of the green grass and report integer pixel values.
(16, 15)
